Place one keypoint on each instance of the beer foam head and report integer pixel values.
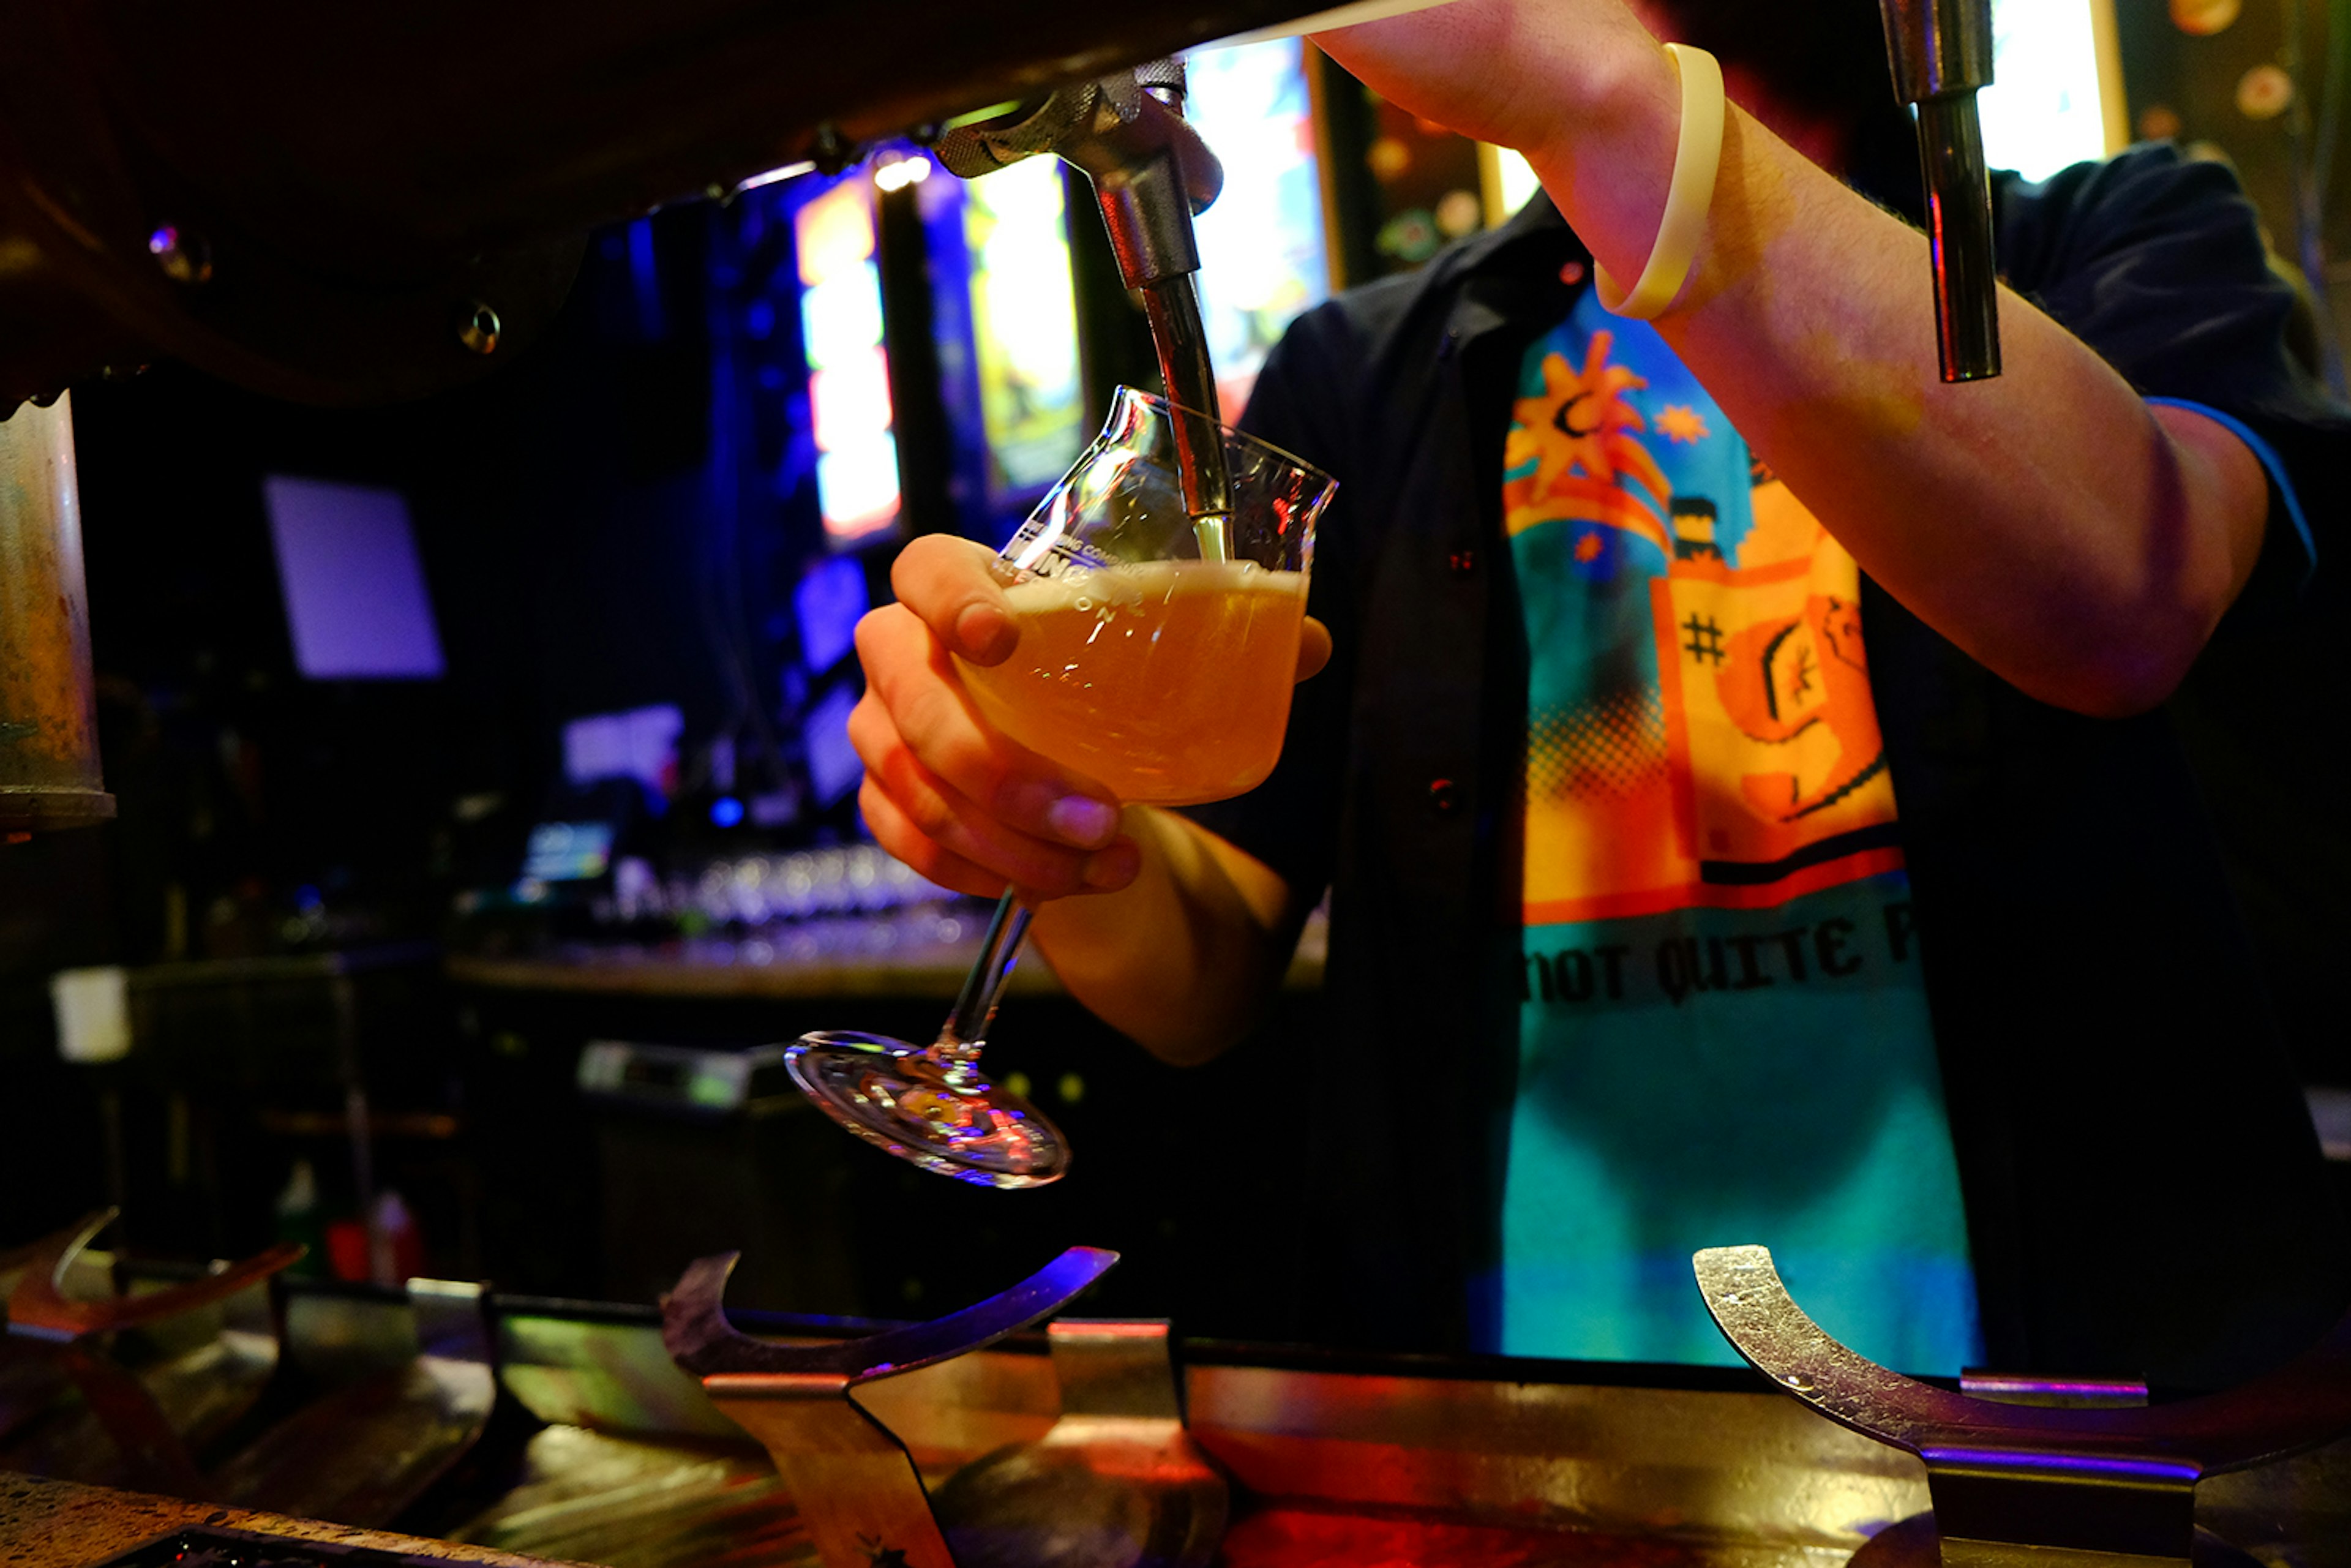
(1144, 584)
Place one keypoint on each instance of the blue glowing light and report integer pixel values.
(726, 812)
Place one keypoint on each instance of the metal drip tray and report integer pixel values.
(624, 1503)
(1336, 1457)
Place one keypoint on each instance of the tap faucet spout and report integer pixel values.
(1150, 173)
(1941, 55)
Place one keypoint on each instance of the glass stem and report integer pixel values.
(966, 1031)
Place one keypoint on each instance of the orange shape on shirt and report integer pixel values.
(1680, 422)
(1581, 424)
(1784, 678)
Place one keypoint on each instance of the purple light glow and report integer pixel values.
(832, 762)
(1980, 1386)
(2067, 1464)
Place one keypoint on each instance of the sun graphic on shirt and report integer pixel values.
(1580, 424)
(1681, 423)
(1588, 547)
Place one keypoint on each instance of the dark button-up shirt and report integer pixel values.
(2143, 1186)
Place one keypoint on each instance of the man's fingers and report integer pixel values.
(943, 815)
(1106, 870)
(893, 830)
(949, 583)
(1314, 649)
(922, 701)
(944, 792)
(925, 828)
(1113, 867)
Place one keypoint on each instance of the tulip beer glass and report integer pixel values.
(1153, 665)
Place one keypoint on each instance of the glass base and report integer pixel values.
(950, 1120)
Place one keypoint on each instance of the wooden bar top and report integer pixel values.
(63, 1525)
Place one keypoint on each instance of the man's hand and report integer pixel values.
(945, 793)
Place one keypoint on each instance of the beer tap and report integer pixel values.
(1150, 173)
(1941, 54)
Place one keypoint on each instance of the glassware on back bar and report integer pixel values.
(1163, 676)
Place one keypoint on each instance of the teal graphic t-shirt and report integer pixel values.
(1724, 1035)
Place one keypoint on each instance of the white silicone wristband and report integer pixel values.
(1696, 157)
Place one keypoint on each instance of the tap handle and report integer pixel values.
(1164, 80)
(1102, 126)
(1151, 172)
(984, 146)
(1938, 47)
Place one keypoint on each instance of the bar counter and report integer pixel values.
(1540, 1465)
(63, 1525)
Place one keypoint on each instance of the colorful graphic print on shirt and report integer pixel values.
(1751, 704)
(1724, 1035)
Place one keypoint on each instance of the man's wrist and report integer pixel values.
(1621, 93)
(1609, 158)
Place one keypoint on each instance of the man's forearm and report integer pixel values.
(1184, 958)
(2048, 522)
(2076, 542)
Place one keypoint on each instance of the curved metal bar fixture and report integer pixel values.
(858, 1491)
(71, 1238)
(2105, 1480)
(2300, 1405)
(39, 1309)
(154, 1453)
(701, 1339)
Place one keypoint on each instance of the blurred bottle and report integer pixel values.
(298, 1219)
(346, 1242)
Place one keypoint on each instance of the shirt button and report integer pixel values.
(1444, 797)
(1462, 561)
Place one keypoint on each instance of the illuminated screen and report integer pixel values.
(832, 764)
(828, 601)
(1262, 258)
(355, 602)
(2043, 110)
(1025, 325)
(640, 744)
(568, 852)
(848, 373)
